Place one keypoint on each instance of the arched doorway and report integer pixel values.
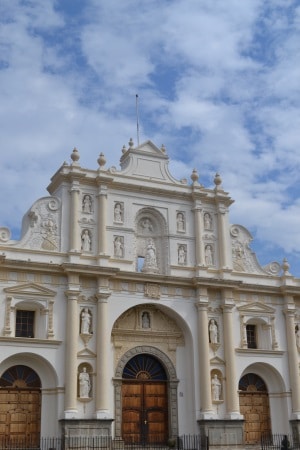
(20, 407)
(254, 405)
(144, 401)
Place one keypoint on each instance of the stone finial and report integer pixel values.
(124, 149)
(75, 156)
(195, 176)
(131, 143)
(285, 267)
(218, 181)
(101, 160)
(163, 148)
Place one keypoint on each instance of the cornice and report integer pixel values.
(30, 342)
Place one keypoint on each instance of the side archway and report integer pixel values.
(156, 362)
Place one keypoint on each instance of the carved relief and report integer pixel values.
(152, 290)
(48, 232)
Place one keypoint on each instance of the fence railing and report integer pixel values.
(279, 442)
(184, 442)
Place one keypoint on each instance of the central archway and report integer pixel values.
(145, 396)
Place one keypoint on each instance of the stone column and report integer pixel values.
(102, 219)
(74, 231)
(199, 253)
(103, 347)
(292, 355)
(232, 397)
(203, 350)
(224, 238)
(72, 331)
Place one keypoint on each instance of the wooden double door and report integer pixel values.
(20, 408)
(145, 412)
(254, 405)
(144, 401)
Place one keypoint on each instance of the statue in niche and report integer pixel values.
(150, 262)
(213, 332)
(147, 226)
(297, 334)
(181, 254)
(207, 221)
(118, 246)
(85, 241)
(216, 387)
(87, 204)
(118, 213)
(84, 384)
(86, 319)
(208, 255)
(145, 320)
(180, 222)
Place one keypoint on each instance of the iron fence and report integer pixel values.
(279, 442)
(185, 442)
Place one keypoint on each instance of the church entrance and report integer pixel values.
(20, 407)
(254, 405)
(144, 401)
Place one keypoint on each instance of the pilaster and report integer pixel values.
(74, 231)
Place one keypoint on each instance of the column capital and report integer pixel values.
(102, 190)
(72, 294)
(103, 296)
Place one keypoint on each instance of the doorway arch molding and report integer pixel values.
(172, 386)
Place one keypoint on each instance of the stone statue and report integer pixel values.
(87, 204)
(180, 222)
(216, 388)
(208, 255)
(207, 221)
(118, 246)
(85, 241)
(118, 212)
(213, 332)
(84, 384)
(181, 254)
(85, 321)
(147, 225)
(150, 262)
(145, 320)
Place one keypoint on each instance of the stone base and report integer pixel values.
(226, 433)
(85, 428)
(295, 424)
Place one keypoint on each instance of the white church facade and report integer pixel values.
(131, 307)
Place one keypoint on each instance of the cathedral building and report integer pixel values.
(132, 308)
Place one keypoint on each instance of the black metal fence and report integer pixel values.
(279, 442)
(185, 442)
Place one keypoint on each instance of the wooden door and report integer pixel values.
(254, 405)
(20, 412)
(145, 412)
(20, 407)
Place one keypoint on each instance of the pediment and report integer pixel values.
(216, 361)
(256, 308)
(148, 162)
(32, 289)
(87, 353)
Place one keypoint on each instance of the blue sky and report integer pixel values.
(218, 85)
